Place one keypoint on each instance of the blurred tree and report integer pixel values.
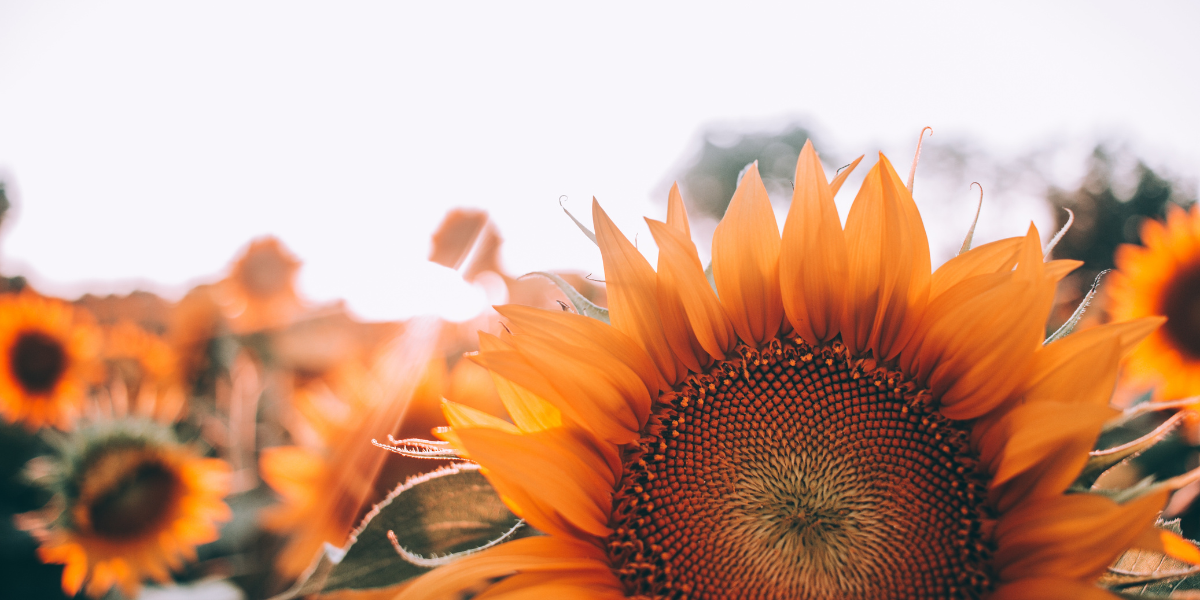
(709, 180)
(1104, 216)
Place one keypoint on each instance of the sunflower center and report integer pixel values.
(37, 361)
(799, 473)
(136, 504)
(1181, 306)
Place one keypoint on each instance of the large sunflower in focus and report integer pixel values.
(833, 421)
(47, 353)
(134, 503)
(1162, 277)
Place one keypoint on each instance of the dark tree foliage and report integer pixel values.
(709, 181)
(1103, 220)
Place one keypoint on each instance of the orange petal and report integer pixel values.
(541, 553)
(584, 332)
(619, 426)
(1051, 588)
(1037, 450)
(677, 217)
(1074, 536)
(537, 467)
(840, 178)
(812, 259)
(745, 261)
(632, 289)
(681, 279)
(979, 337)
(462, 416)
(993, 257)
(888, 254)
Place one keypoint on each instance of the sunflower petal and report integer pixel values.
(632, 289)
(1074, 536)
(812, 258)
(746, 262)
(1037, 450)
(1051, 588)
(888, 254)
(993, 257)
(541, 553)
(682, 280)
(544, 469)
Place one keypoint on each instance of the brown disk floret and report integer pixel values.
(800, 473)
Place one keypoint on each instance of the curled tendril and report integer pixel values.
(966, 245)
(912, 173)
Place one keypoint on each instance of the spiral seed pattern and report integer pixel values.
(795, 472)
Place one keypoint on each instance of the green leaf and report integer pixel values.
(430, 520)
(582, 305)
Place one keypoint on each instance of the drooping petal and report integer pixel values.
(578, 331)
(1051, 588)
(533, 554)
(1036, 450)
(812, 258)
(1073, 536)
(558, 379)
(632, 289)
(682, 280)
(889, 265)
(746, 262)
(542, 469)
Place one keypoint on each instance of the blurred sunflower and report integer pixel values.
(144, 369)
(48, 351)
(134, 503)
(833, 421)
(260, 291)
(1162, 277)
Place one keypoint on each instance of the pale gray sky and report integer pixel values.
(148, 141)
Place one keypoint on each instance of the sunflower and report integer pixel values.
(1162, 277)
(260, 290)
(48, 351)
(135, 502)
(831, 421)
(145, 369)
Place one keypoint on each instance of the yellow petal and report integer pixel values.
(632, 289)
(618, 426)
(462, 416)
(682, 280)
(746, 262)
(812, 258)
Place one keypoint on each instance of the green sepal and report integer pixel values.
(588, 232)
(430, 520)
(1077, 316)
(582, 305)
